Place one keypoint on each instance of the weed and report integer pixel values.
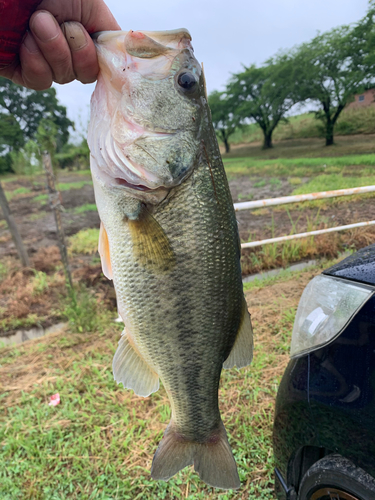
(330, 182)
(247, 197)
(39, 283)
(88, 207)
(295, 181)
(41, 197)
(296, 167)
(82, 312)
(85, 241)
(3, 271)
(67, 186)
(29, 321)
(275, 182)
(260, 183)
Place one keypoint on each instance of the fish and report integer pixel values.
(169, 240)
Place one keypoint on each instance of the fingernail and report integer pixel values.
(74, 35)
(30, 44)
(45, 26)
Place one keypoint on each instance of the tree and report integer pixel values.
(264, 94)
(223, 119)
(331, 69)
(29, 107)
(11, 139)
(363, 42)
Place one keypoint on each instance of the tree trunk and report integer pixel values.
(329, 133)
(267, 143)
(13, 229)
(227, 145)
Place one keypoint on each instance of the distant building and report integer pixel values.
(367, 98)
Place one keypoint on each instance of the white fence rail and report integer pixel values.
(247, 205)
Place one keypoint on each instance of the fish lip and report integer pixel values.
(137, 187)
(155, 35)
(146, 189)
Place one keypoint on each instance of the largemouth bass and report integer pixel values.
(169, 240)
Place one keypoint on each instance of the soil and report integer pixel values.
(37, 226)
(35, 220)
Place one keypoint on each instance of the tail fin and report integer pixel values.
(212, 460)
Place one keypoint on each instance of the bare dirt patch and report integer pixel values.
(35, 219)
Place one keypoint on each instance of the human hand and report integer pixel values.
(58, 47)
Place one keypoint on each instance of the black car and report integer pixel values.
(324, 428)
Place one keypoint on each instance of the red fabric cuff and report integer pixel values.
(14, 20)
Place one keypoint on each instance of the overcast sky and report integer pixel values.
(225, 34)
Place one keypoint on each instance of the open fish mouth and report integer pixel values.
(137, 187)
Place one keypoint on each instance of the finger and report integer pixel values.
(94, 15)
(35, 71)
(83, 53)
(53, 46)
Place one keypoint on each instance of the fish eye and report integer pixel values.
(187, 81)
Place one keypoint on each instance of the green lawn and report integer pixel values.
(99, 442)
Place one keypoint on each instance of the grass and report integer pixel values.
(299, 167)
(99, 442)
(354, 121)
(87, 207)
(41, 197)
(13, 194)
(67, 186)
(328, 182)
(84, 242)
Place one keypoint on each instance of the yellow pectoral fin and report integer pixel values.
(104, 252)
(242, 352)
(150, 243)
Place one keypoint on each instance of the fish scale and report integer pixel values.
(173, 253)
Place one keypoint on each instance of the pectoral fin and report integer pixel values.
(104, 252)
(131, 369)
(150, 243)
(242, 351)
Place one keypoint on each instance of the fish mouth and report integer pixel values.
(137, 187)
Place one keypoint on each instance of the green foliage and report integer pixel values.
(82, 312)
(264, 94)
(74, 156)
(3, 271)
(223, 119)
(39, 282)
(11, 139)
(21, 112)
(87, 207)
(29, 107)
(29, 321)
(26, 161)
(67, 186)
(41, 197)
(299, 167)
(330, 73)
(330, 182)
(85, 241)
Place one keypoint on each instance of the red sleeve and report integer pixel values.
(14, 19)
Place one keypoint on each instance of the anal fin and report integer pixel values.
(131, 369)
(242, 352)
